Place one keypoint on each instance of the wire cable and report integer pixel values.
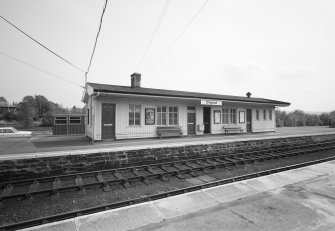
(181, 33)
(37, 68)
(41, 44)
(160, 19)
(96, 40)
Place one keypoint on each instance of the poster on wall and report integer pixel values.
(217, 117)
(149, 116)
(242, 117)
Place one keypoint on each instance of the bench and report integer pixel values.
(168, 131)
(228, 129)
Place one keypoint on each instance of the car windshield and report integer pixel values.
(14, 130)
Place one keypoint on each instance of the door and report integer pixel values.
(249, 120)
(108, 121)
(191, 120)
(207, 120)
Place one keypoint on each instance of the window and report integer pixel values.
(173, 115)
(8, 131)
(88, 116)
(241, 117)
(75, 120)
(225, 118)
(257, 114)
(134, 115)
(91, 115)
(270, 114)
(233, 116)
(161, 115)
(264, 114)
(60, 120)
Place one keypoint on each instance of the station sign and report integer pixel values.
(211, 102)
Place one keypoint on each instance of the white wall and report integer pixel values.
(262, 125)
(124, 131)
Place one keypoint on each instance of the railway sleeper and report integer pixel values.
(55, 195)
(56, 184)
(164, 177)
(28, 199)
(180, 175)
(7, 190)
(82, 191)
(33, 187)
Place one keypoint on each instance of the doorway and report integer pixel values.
(207, 120)
(249, 119)
(108, 121)
(191, 121)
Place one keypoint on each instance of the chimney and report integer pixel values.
(248, 94)
(136, 80)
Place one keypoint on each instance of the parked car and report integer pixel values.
(12, 132)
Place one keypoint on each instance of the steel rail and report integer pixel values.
(93, 173)
(220, 161)
(69, 215)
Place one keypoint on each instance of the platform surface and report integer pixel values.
(44, 146)
(301, 199)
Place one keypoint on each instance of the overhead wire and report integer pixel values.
(96, 40)
(39, 69)
(54, 53)
(160, 19)
(181, 33)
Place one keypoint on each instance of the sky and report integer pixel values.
(282, 50)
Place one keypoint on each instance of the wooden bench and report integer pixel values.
(228, 129)
(168, 131)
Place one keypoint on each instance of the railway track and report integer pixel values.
(105, 179)
(303, 149)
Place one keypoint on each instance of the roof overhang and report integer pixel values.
(123, 94)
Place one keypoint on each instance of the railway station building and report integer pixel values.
(127, 112)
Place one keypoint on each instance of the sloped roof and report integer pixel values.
(183, 94)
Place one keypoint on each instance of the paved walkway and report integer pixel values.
(302, 199)
(35, 147)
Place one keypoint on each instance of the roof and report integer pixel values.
(6, 105)
(183, 94)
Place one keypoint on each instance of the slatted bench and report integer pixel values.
(169, 131)
(228, 129)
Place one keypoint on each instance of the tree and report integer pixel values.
(332, 119)
(42, 105)
(27, 111)
(3, 99)
(325, 119)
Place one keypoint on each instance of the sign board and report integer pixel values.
(211, 102)
(149, 116)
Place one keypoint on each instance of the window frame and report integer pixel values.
(217, 116)
(232, 116)
(160, 114)
(72, 118)
(174, 117)
(270, 114)
(241, 117)
(223, 115)
(257, 114)
(264, 114)
(135, 113)
(57, 119)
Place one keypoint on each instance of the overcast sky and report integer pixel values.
(282, 50)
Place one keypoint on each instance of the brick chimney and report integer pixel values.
(136, 80)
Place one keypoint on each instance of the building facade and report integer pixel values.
(120, 112)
